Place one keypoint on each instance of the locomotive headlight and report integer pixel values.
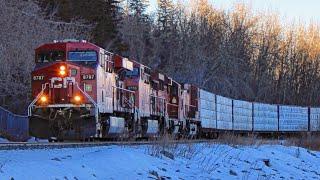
(62, 73)
(77, 98)
(43, 99)
(62, 70)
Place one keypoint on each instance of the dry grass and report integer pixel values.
(167, 147)
(235, 139)
(305, 140)
(162, 146)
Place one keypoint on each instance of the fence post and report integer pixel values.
(216, 109)
(252, 117)
(309, 119)
(232, 106)
(278, 112)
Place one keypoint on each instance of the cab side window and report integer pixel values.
(50, 56)
(161, 85)
(108, 63)
(145, 75)
(102, 61)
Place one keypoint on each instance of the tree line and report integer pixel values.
(238, 54)
(24, 26)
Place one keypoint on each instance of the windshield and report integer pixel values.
(50, 56)
(82, 56)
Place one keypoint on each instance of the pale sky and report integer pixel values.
(289, 10)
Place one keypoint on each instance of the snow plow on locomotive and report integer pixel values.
(83, 91)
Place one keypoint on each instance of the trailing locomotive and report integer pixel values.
(82, 91)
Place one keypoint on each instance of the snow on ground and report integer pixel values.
(30, 140)
(201, 161)
(36, 140)
(3, 140)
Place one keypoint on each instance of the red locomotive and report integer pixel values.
(82, 91)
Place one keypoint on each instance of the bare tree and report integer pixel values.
(236, 54)
(23, 28)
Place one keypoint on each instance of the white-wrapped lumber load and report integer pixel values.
(314, 119)
(293, 118)
(224, 113)
(265, 117)
(242, 115)
(207, 110)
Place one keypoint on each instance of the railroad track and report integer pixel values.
(60, 145)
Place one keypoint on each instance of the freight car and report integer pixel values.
(82, 91)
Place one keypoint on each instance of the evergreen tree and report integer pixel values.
(102, 13)
(165, 14)
(138, 8)
(136, 31)
(166, 35)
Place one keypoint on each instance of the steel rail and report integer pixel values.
(62, 145)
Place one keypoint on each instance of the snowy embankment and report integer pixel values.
(3, 140)
(201, 161)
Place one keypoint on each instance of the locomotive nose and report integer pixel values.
(61, 85)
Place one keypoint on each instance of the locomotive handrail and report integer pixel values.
(173, 104)
(36, 99)
(190, 105)
(94, 104)
(87, 95)
(157, 109)
(188, 109)
(131, 104)
(123, 89)
(127, 101)
(157, 97)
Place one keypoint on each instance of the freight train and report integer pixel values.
(82, 91)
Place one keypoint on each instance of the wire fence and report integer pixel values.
(12, 126)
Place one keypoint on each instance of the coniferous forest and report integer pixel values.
(240, 54)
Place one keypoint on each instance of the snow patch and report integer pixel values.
(3, 140)
(200, 161)
(36, 140)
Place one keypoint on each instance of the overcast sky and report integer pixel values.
(297, 10)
